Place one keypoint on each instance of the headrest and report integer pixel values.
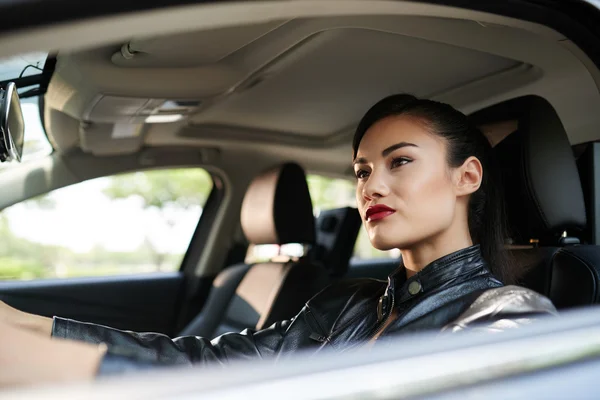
(277, 208)
(543, 191)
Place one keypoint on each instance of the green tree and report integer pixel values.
(179, 188)
(327, 193)
(162, 190)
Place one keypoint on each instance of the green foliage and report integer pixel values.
(13, 268)
(181, 188)
(327, 193)
(30, 260)
(174, 188)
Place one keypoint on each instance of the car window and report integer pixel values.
(327, 193)
(124, 224)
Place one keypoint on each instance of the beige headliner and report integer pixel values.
(292, 84)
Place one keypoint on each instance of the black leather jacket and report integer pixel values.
(453, 293)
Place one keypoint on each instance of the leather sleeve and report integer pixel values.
(130, 351)
(501, 309)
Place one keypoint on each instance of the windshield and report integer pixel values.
(22, 65)
(28, 66)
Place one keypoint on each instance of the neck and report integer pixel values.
(422, 254)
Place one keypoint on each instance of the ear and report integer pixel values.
(468, 176)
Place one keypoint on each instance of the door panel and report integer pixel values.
(137, 302)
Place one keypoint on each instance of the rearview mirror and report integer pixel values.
(12, 124)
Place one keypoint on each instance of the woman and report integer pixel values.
(425, 185)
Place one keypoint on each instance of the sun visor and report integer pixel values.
(117, 109)
(111, 139)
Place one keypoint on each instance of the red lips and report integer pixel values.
(378, 212)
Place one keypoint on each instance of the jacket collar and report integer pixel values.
(439, 273)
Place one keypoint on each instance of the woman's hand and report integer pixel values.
(27, 358)
(7, 313)
(32, 322)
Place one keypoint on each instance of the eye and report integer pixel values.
(400, 161)
(361, 174)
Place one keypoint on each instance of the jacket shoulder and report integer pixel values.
(503, 307)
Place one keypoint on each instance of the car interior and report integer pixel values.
(262, 96)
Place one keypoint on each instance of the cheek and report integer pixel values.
(429, 196)
(360, 200)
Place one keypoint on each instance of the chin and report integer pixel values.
(384, 240)
(380, 243)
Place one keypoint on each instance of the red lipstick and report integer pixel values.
(378, 211)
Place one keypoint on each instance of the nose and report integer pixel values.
(375, 186)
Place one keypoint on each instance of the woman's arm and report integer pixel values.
(501, 309)
(28, 358)
(30, 322)
(134, 350)
(129, 351)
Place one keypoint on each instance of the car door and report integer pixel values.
(107, 250)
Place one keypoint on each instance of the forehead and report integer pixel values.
(396, 129)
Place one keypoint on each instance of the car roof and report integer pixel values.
(293, 83)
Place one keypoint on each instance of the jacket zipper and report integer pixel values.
(314, 335)
(382, 325)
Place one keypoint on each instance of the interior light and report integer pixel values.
(162, 118)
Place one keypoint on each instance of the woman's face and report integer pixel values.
(405, 190)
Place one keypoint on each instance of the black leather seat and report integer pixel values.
(544, 200)
(277, 209)
(337, 230)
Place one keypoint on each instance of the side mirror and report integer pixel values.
(12, 124)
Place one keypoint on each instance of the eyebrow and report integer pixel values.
(397, 146)
(386, 151)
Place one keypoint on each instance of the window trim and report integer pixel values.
(205, 223)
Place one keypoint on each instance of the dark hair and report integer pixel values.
(487, 221)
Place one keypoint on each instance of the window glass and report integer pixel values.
(327, 193)
(22, 65)
(124, 224)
